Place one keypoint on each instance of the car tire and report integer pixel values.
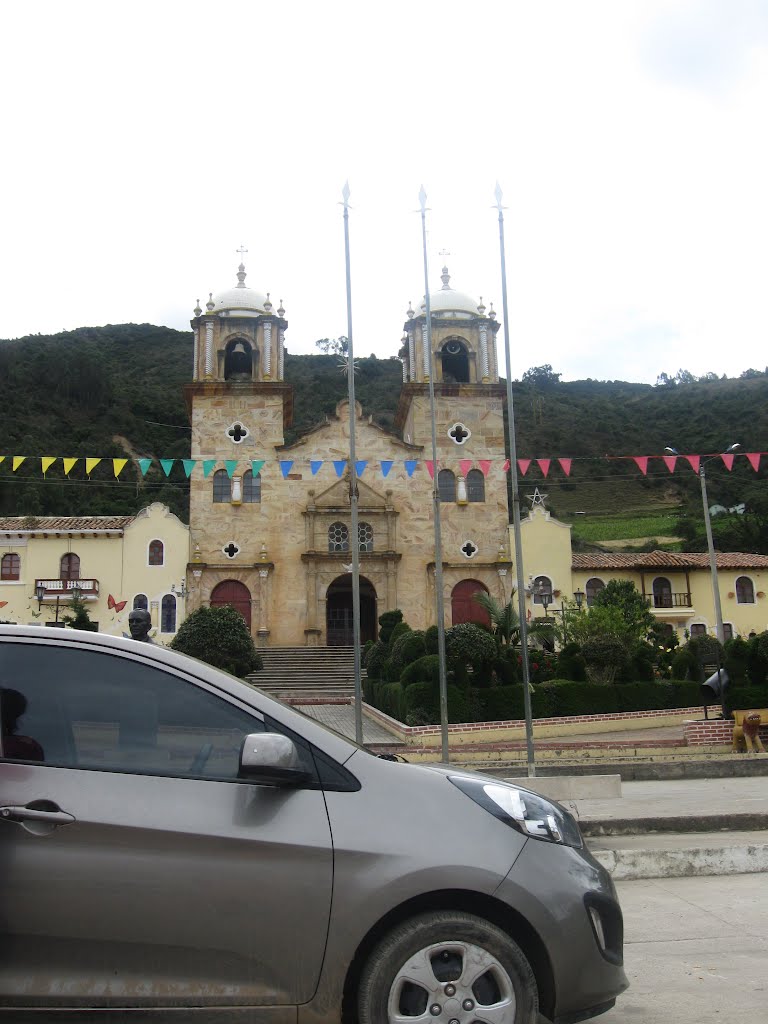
(449, 967)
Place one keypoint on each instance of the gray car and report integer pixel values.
(176, 844)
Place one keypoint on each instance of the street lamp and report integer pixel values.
(39, 594)
(578, 596)
(710, 542)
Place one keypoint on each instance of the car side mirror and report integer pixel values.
(272, 760)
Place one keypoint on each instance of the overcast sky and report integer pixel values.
(145, 142)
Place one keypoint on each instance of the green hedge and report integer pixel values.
(743, 698)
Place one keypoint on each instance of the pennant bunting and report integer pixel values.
(410, 465)
(90, 465)
(339, 465)
(728, 460)
(68, 464)
(17, 461)
(465, 465)
(506, 466)
(543, 465)
(314, 465)
(256, 465)
(167, 465)
(144, 465)
(2, 458)
(485, 465)
(361, 466)
(46, 462)
(189, 465)
(565, 465)
(230, 465)
(522, 465)
(118, 465)
(754, 459)
(670, 461)
(695, 461)
(208, 465)
(285, 467)
(642, 463)
(430, 468)
(386, 466)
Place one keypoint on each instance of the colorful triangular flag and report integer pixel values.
(167, 465)
(754, 460)
(360, 466)
(485, 465)
(543, 465)
(144, 465)
(386, 465)
(91, 464)
(189, 465)
(256, 465)
(430, 468)
(522, 465)
(410, 466)
(46, 462)
(505, 467)
(208, 465)
(285, 467)
(670, 462)
(68, 464)
(230, 465)
(17, 461)
(695, 461)
(118, 465)
(565, 465)
(642, 463)
(339, 465)
(315, 465)
(728, 460)
(465, 465)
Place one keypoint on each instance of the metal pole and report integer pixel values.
(353, 491)
(516, 504)
(712, 558)
(440, 611)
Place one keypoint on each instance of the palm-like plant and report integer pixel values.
(506, 621)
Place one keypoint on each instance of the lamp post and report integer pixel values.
(578, 596)
(710, 542)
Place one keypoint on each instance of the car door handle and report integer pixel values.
(50, 814)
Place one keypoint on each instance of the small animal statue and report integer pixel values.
(751, 726)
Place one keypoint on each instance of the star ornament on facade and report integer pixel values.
(537, 498)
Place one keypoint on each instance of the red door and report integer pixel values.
(463, 606)
(234, 593)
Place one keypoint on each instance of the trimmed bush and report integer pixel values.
(469, 645)
(431, 640)
(377, 655)
(583, 698)
(736, 653)
(219, 636)
(413, 647)
(571, 664)
(757, 659)
(398, 631)
(398, 646)
(426, 669)
(744, 698)
(387, 622)
(391, 700)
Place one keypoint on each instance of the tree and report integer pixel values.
(541, 376)
(333, 346)
(80, 619)
(219, 636)
(626, 599)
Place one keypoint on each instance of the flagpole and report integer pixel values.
(353, 490)
(516, 503)
(440, 611)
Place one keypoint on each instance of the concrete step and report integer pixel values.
(682, 854)
(296, 672)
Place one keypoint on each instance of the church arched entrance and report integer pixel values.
(338, 612)
(234, 593)
(464, 608)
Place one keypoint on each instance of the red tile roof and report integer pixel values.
(62, 524)
(668, 560)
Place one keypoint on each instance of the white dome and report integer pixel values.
(241, 298)
(449, 300)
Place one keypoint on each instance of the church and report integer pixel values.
(270, 521)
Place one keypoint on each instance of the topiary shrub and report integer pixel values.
(391, 700)
(468, 645)
(219, 636)
(684, 664)
(736, 655)
(605, 656)
(431, 639)
(425, 669)
(400, 629)
(387, 622)
(745, 698)
(571, 664)
(397, 651)
(364, 652)
(757, 659)
(583, 699)
(413, 647)
(377, 655)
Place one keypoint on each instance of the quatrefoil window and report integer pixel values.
(237, 433)
(231, 550)
(459, 434)
(469, 549)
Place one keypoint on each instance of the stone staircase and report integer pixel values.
(312, 673)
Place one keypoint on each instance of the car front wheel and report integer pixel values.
(447, 968)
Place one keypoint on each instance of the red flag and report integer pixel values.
(642, 463)
(506, 466)
(754, 460)
(669, 461)
(485, 465)
(566, 465)
(728, 460)
(466, 465)
(430, 468)
(695, 461)
(543, 465)
(522, 465)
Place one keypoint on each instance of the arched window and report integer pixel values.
(727, 631)
(593, 588)
(222, 486)
(156, 552)
(69, 567)
(10, 567)
(475, 485)
(251, 487)
(662, 592)
(698, 629)
(168, 614)
(238, 360)
(446, 485)
(745, 591)
(338, 537)
(455, 362)
(365, 536)
(140, 601)
(542, 585)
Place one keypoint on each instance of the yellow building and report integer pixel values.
(113, 563)
(677, 585)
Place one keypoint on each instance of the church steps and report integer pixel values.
(294, 672)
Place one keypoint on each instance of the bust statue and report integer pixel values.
(139, 624)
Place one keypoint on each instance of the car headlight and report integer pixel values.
(528, 812)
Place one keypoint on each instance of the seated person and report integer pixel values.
(12, 706)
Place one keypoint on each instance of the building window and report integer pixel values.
(446, 485)
(156, 552)
(69, 567)
(338, 537)
(365, 536)
(745, 591)
(727, 631)
(251, 488)
(168, 614)
(475, 485)
(662, 592)
(10, 567)
(593, 588)
(222, 486)
(698, 629)
(140, 601)
(542, 585)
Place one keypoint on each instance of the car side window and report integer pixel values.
(82, 708)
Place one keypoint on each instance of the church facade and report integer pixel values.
(270, 522)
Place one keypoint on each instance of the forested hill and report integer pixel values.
(117, 390)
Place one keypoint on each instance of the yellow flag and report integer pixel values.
(17, 461)
(2, 458)
(46, 462)
(91, 464)
(117, 465)
(68, 464)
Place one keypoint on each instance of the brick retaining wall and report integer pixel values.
(719, 730)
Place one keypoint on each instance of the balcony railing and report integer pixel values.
(670, 600)
(89, 589)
